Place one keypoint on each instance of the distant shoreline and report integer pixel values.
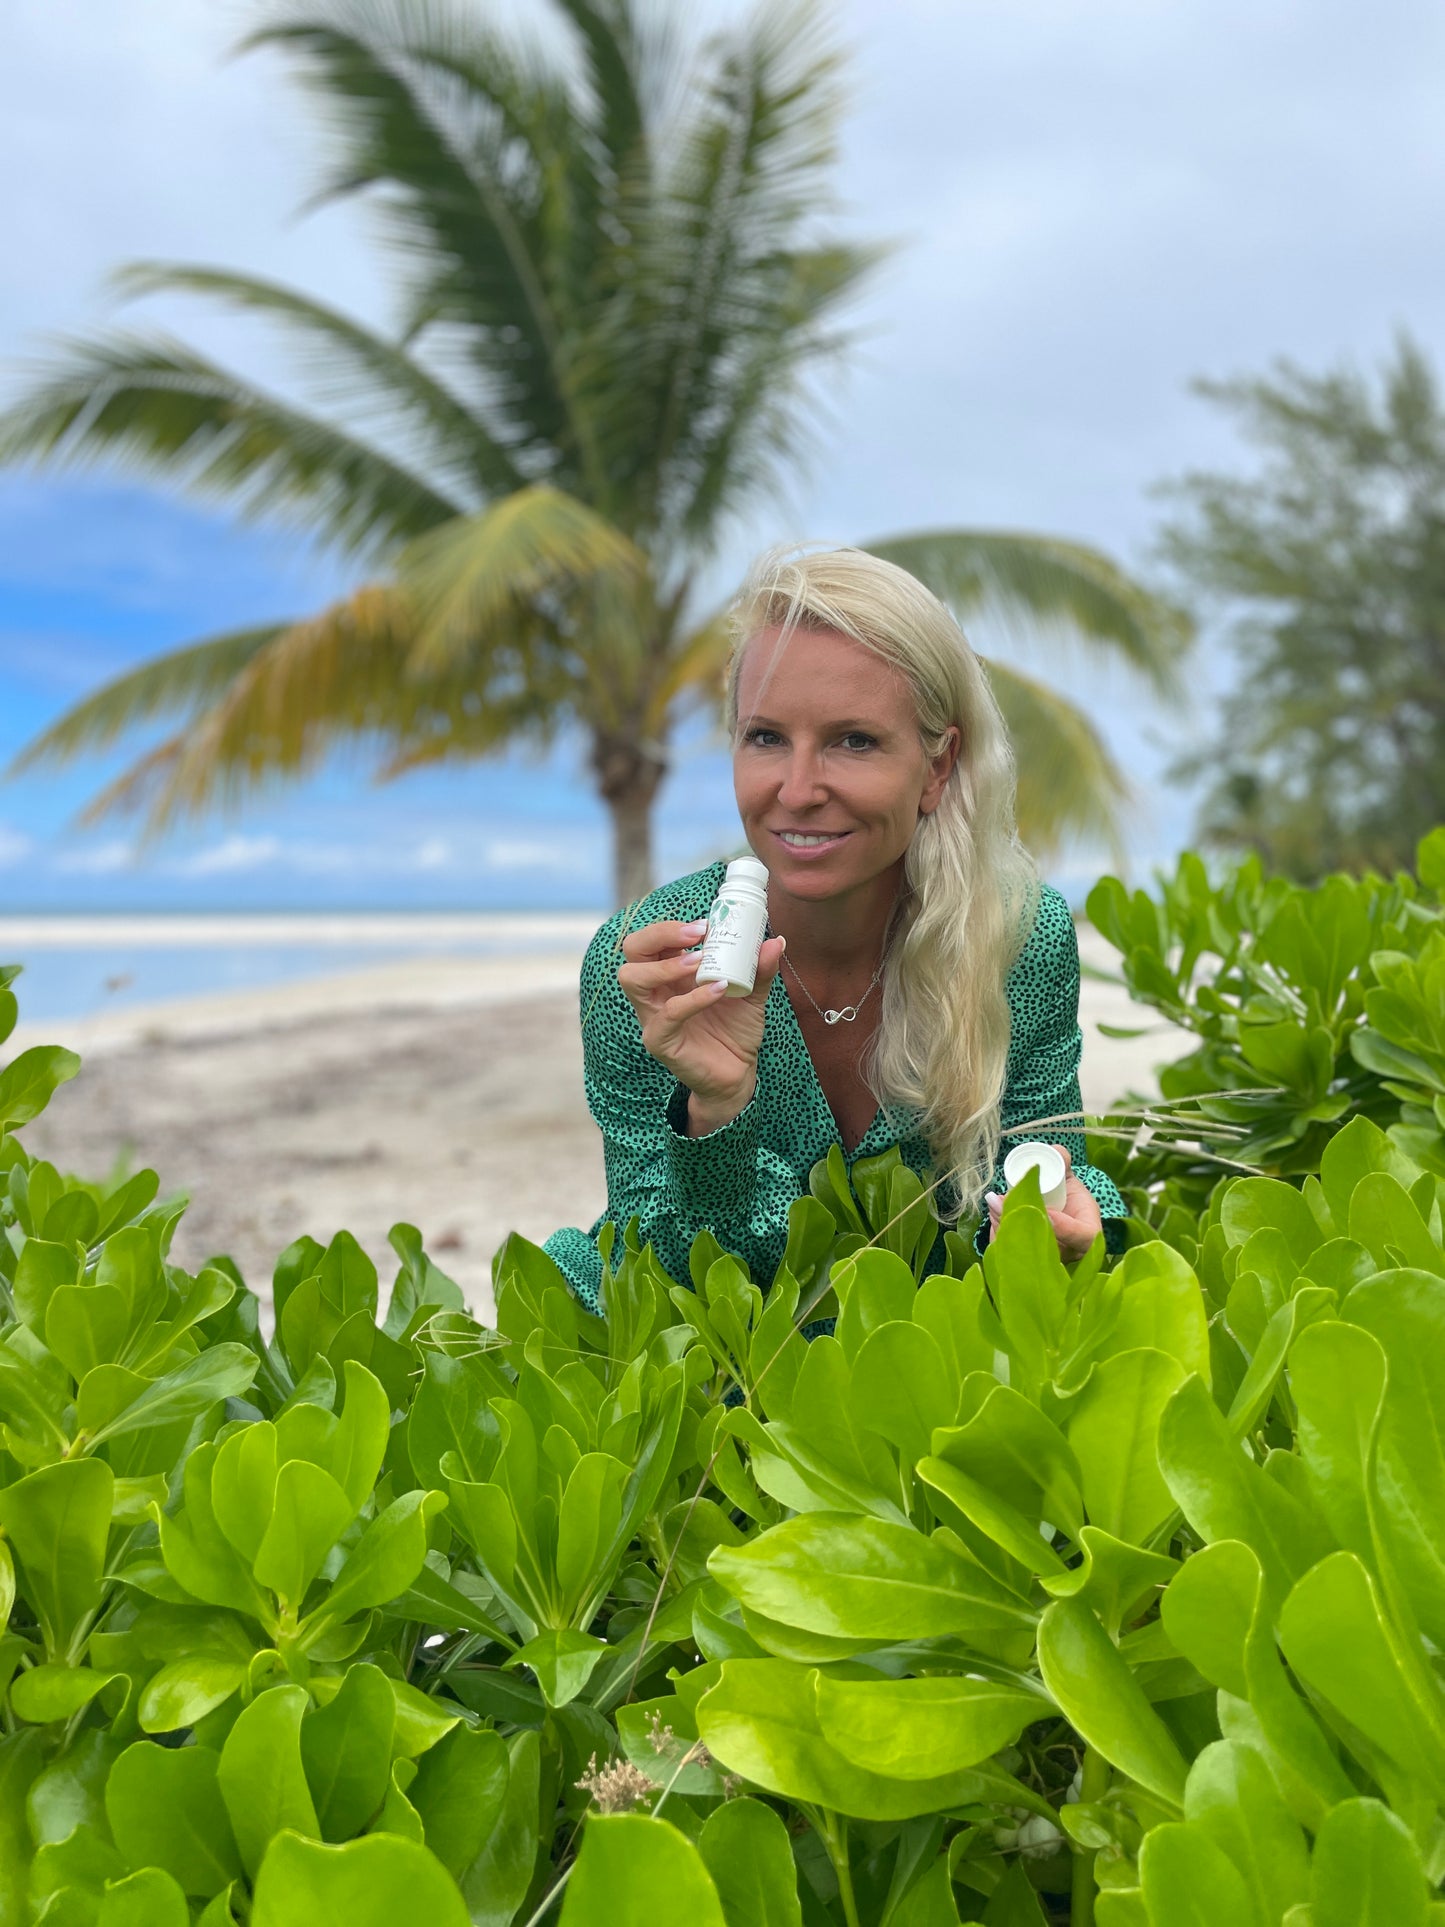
(172, 929)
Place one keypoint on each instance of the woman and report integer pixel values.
(918, 985)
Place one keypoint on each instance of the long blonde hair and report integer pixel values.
(970, 891)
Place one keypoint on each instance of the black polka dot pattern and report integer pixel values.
(740, 1180)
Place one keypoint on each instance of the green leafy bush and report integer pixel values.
(1028, 1593)
(1311, 1005)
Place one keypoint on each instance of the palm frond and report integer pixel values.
(480, 570)
(1040, 579)
(460, 136)
(729, 226)
(1068, 783)
(183, 681)
(695, 665)
(159, 407)
(356, 368)
(332, 678)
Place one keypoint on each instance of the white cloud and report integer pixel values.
(14, 846)
(231, 854)
(100, 860)
(568, 854)
(434, 854)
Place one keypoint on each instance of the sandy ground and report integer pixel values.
(446, 1093)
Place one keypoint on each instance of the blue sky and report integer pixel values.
(1096, 204)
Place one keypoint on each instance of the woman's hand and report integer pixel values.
(708, 1040)
(1077, 1221)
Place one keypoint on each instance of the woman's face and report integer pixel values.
(830, 774)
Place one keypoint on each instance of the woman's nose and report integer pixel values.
(802, 786)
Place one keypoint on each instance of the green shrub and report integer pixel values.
(1312, 1006)
(1029, 1593)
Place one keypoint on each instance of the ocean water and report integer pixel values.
(80, 967)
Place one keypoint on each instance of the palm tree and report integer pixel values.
(612, 290)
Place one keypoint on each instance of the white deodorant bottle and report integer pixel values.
(1053, 1172)
(735, 926)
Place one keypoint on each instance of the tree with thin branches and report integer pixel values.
(614, 287)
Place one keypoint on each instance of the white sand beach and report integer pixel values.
(445, 1092)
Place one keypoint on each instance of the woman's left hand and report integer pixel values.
(1076, 1223)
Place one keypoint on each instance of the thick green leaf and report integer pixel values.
(1224, 1495)
(634, 1871)
(1017, 1533)
(922, 1729)
(1349, 1157)
(590, 1513)
(1010, 1447)
(261, 1776)
(1232, 1797)
(1404, 1311)
(149, 1898)
(224, 1371)
(1367, 1870)
(902, 1388)
(165, 1810)
(563, 1662)
(387, 1557)
(859, 1578)
(30, 1080)
(22, 1755)
(1209, 1608)
(1337, 1376)
(1112, 1578)
(184, 1691)
(1188, 1881)
(745, 1848)
(243, 1487)
(310, 1514)
(375, 1882)
(497, 1883)
(58, 1520)
(449, 1414)
(358, 1444)
(1252, 1204)
(1114, 1429)
(55, 1692)
(1093, 1686)
(1337, 1637)
(41, 1270)
(1161, 1308)
(70, 1791)
(761, 1720)
(346, 1749)
(459, 1791)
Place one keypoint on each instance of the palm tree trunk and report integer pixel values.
(630, 769)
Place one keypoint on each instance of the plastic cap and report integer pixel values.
(747, 869)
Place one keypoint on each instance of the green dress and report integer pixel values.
(739, 1181)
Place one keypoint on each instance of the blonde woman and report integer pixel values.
(918, 985)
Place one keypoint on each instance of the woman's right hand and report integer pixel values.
(708, 1040)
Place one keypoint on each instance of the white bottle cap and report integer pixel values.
(747, 869)
(1046, 1159)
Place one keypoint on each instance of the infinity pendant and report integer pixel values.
(845, 1015)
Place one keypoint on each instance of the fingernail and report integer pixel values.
(782, 945)
(697, 927)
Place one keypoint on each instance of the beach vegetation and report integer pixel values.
(1325, 568)
(616, 293)
(1026, 1594)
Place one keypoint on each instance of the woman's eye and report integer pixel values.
(859, 739)
(761, 738)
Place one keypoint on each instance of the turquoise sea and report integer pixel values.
(81, 966)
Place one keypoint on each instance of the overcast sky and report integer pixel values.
(1096, 203)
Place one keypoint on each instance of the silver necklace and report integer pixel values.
(849, 1011)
